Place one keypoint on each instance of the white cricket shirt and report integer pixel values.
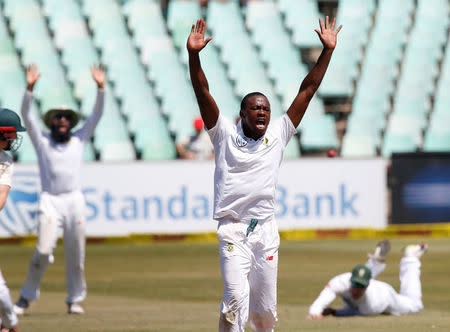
(6, 168)
(6, 172)
(60, 163)
(378, 298)
(246, 171)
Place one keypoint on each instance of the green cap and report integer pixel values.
(361, 275)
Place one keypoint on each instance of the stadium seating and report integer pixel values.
(300, 17)
(357, 17)
(292, 150)
(396, 76)
(397, 143)
(437, 141)
(358, 146)
(380, 65)
(181, 16)
(419, 71)
(12, 80)
(318, 131)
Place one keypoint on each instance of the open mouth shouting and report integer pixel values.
(261, 124)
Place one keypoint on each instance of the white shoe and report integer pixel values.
(75, 308)
(415, 250)
(21, 306)
(381, 250)
(19, 311)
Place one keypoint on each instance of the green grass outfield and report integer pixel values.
(177, 286)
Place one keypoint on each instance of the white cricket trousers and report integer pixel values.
(409, 301)
(249, 267)
(67, 212)
(7, 316)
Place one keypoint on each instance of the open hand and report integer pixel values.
(32, 76)
(327, 35)
(196, 40)
(98, 74)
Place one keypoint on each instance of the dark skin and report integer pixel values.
(255, 117)
(60, 126)
(255, 126)
(356, 293)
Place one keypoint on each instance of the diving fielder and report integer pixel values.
(9, 141)
(363, 295)
(61, 202)
(248, 157)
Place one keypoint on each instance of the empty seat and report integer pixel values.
(318, 132)
(117, 151)
(88, 152)
(301, 16)
(397, 143)
(358, 146)
(180, 17)
(437, 141)
(292, 150)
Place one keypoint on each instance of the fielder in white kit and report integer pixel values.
(363, 295)
(61, 202)
(9, 141)
(248, 157)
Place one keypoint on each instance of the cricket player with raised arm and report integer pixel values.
(363, 295)
(248, 157)
(61, 202)
(9, 141)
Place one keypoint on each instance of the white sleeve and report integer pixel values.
(6, 175)
(325, 298)
(85, 132)
(30, 121)
(219, 131)
(284, 128)
(335, 287)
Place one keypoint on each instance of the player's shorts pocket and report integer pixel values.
(229, 231)
(270, 236)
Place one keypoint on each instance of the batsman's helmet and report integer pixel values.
(9, 126)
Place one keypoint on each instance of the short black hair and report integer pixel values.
(251, 94)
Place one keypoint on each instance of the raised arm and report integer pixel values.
(195, 43)
(85, 132)
(311, 83)
(31, 123)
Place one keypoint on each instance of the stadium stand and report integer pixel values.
(419, 72)
(356, 16)
(393, 76)
(378, 72)
(300, 16)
